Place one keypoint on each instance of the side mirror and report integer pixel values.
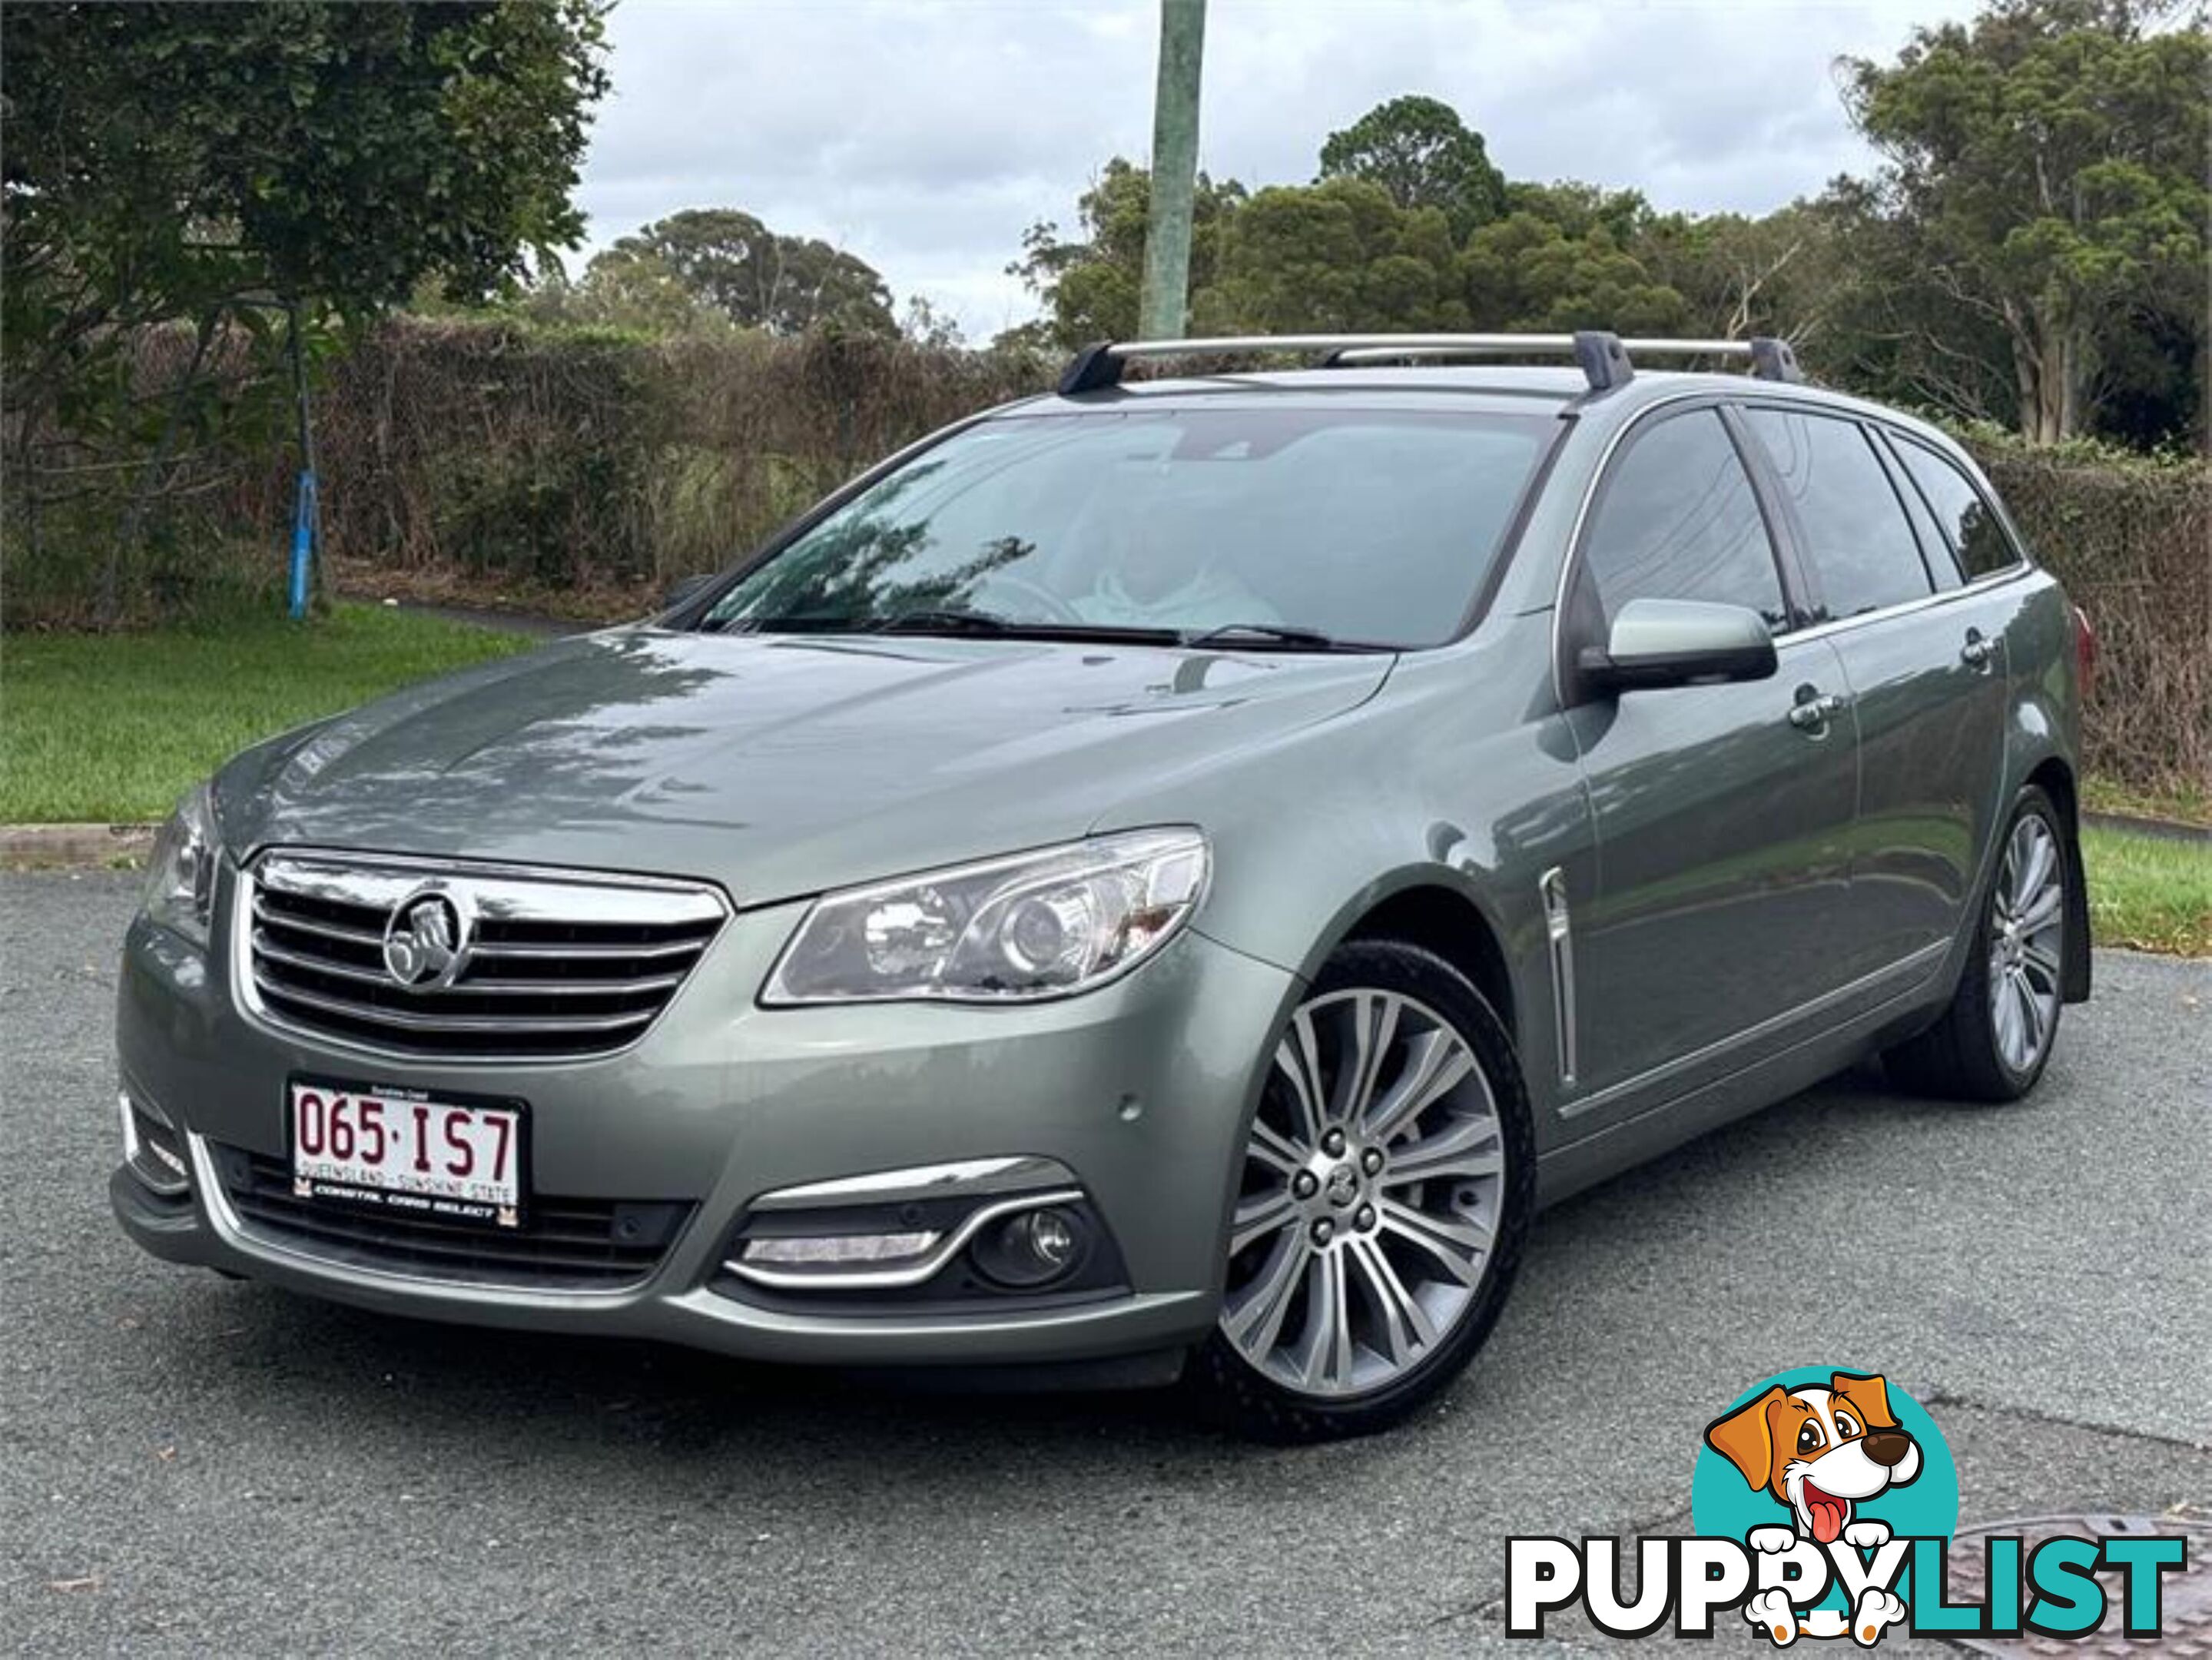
(684, 590)
(1678, 642)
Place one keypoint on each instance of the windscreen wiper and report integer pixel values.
(927, 621)
(795, 622)
(948, 620)
(940, 619)
(935, 620)
(1273, 634)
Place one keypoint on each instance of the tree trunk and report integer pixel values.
(2050, 366)
(2028, 376)
(2075, 361)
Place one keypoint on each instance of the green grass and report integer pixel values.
(114, 727)
(2153, 895)
(2184, 803)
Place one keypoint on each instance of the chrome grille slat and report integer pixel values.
(505, 952)
(267, 950)
(494, 987)
(512, 894)
(559, 965)
(373, 940)
(407, 1020)
(497, 950)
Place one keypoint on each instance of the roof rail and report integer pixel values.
(1606, 358)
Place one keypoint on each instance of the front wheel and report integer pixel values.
(1993, 1040)
(1385, 1195)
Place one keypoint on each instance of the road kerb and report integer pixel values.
(82, 847)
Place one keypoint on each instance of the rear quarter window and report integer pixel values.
(1976, 538)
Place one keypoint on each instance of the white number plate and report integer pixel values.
(407, 1154)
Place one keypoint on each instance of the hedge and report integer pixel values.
(2132, 541)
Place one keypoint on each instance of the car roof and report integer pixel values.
(1491, 388)
(1557, 382)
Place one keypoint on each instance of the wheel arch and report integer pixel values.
(2043, 746)
(2054, 777)
(1438, 911)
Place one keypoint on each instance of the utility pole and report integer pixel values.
(1166, 298)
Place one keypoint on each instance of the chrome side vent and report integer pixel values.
(466, 962)
(1560, 931)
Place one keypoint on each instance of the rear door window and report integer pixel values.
(1857, 538)
(1677, 519)
(1970, 524)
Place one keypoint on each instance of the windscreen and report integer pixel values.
(1366, 525)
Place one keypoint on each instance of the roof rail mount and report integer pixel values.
(1772, 359)
(1606, 361)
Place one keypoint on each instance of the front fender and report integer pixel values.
(1456, 779)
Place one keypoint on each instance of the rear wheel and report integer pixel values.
(1993, 1040)
(1383, 1201)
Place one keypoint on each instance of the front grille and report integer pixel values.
(550, 967)
(567, 1244)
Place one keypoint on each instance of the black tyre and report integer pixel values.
(1993, 1040)
(1384, 1201)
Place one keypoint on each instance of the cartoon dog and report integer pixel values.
(1821, 1452)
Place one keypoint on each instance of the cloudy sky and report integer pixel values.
(925, 136)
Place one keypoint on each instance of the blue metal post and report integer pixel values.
(303, 544)
(304, 515)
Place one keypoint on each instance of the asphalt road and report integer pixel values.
(192, 1466)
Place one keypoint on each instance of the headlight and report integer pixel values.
(181, 874)
(1033, 926)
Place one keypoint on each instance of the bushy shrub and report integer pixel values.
(566, 457)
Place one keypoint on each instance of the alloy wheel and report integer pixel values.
(2026, 928)
(1373, 1189)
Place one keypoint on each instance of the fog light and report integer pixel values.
(148, 1151)
(838, 1250)
(1032, 1249)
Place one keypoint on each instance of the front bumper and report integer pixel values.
(1140, 1090)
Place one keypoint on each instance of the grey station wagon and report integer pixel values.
(1158, 879)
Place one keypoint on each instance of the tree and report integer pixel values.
(1876, 324)
(1421, 152)
(2051, 159)
(1738, 276)
(186, 169)
(1578, 209)
(178, 162)
(1090, 285)
(929, 325)
(623, 289)
(1526, 273)
(758, 279)
(1339, 255)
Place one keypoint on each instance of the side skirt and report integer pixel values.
(1619, 1146)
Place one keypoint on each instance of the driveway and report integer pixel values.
(193, 1466)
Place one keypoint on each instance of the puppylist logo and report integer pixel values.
(1823, 1501)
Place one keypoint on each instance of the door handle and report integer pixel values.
(1978, 652)
(1812, 714)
